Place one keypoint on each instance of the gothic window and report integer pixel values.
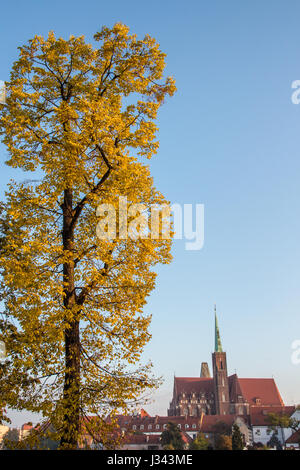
(223, 396)
(221, 365)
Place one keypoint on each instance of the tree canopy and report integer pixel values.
(200, 442)
(81, 118)
(237, 438)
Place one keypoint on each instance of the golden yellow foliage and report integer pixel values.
(82, 119)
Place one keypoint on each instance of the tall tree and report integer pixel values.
(82, 119)
(237, 438)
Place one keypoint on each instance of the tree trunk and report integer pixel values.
(71, 392)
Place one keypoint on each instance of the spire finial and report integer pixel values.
(218, 345)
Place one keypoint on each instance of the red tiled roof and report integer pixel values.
(142, 439)
(193, 384)
(264, 389)
(26, 427)
(187, 423)
(259, 414)
(209, 421)
(294, 438)
(186, 438)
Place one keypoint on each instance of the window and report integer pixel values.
(157, 426)
(194, 426)
(149, 426)
(165, 426)
(179, 425)
(223, 396)
(142, 426)
(257, 432)
(134, 427)
(186, 426)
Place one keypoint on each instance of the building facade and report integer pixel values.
(221, 394)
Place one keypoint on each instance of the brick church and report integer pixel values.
(221, 394)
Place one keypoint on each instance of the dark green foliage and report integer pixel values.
(275, 442)
(200, 443)
(237, 438)
(172, 437)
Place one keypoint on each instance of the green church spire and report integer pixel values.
(218, 345)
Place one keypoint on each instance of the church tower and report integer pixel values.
(220, 377)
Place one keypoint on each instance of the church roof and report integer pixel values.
(256, 391)
(263, 389)
(193, 384)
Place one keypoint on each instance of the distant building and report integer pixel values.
(142, 424)
(3, 430)
(221, 394)
(25, 430)
(261, 431)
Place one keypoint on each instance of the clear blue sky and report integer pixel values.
(230, 139)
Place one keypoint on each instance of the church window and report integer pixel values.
(221, 365)
(223, 396)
